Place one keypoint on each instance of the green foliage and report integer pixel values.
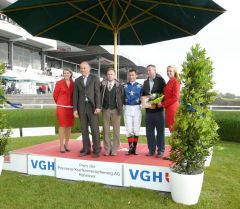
(229, 125)
(195, 129)
(4, 132)
(229, 122)
(19, 118)
(4, 128)
(22, 118)
(229, 95)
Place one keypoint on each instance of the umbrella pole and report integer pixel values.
(99, 67)
(115, 54)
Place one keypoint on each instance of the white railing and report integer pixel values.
(224, 108)
(42, 106)
(30, 106)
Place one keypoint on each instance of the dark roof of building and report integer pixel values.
(91, 53)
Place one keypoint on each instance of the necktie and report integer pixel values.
(110, 86)
(85, 80)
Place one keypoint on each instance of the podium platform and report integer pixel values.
(121, 170)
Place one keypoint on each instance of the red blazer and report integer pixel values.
(63, 95)
(171, 93)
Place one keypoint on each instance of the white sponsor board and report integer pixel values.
(38, 131)
(41, 165)
(146, 176)
(84, 170)
(15, 132)
(118, 174)
(18, 162)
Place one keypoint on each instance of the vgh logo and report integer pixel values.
(146, 175)
(43, 165)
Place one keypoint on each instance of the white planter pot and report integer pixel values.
(1, 163)
(186, 189)
(209, 158)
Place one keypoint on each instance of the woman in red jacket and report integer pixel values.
(171, 96)
(63, 97)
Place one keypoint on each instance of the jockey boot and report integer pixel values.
(131, 145)
(135, 145)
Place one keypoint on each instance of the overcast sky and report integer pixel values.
(220, 38)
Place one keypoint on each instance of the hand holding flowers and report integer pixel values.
(152, 101)
(155, 98)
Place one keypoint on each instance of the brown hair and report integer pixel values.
(111, 69)
(69, 70)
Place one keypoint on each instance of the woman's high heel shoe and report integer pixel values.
(67, 150)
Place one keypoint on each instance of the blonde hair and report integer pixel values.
(176, 75)
(69, 70)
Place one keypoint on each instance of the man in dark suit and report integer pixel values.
(154, 117)
(87, 105)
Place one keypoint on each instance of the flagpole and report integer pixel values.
(115, 53)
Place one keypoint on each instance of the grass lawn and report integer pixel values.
(18, 191)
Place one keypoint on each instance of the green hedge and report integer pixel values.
(21, 118)
(229, 125)
(229, 122)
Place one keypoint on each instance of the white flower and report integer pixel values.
(153, 96)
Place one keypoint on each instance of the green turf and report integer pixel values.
(18, 191)
(16, 143)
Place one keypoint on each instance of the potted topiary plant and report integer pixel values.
(195, 130)
(4, 128)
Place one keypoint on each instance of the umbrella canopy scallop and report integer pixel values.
(107, 22)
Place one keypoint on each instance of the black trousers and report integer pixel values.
(155, 121)
(88, 118)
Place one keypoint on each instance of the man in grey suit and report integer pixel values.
(87, 105)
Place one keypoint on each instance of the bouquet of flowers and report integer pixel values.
(155, 98)
(152, 100)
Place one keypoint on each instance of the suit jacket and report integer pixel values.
(171, 94)
(63, 95)
(119, 94)
(91, 91)
(158, 86)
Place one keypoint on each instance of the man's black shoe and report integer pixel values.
(85, 153)
(160, 154)
(166, 158)
(150, 153)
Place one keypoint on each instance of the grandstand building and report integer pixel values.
(31, 61)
